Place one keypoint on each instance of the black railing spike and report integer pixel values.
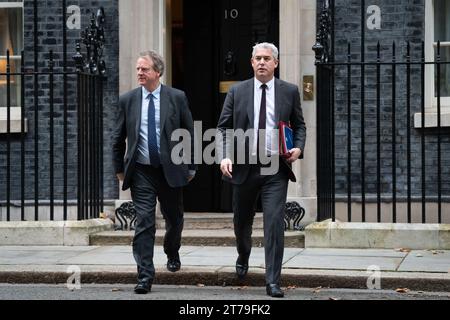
(50, 59)
(378, 52)
(78, 57)
(318, 49)
(323, 37)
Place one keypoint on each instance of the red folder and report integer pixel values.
(286, 139)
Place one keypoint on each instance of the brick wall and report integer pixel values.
(50, 37)
(401, 21)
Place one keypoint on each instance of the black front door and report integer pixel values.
(212, 46)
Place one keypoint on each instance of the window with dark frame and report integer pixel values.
(442, 34)
(11, 38)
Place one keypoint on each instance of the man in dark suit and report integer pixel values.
(146, 119)
(257, 105)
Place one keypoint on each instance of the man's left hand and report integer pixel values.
(295, 154)
(190, 178)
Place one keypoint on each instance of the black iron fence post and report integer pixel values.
(408, 129)
(22, 137)
(378, 119)
(439, 150)
(349, 133)
(52, 138)
(422, 131)
(91, 74)
(8, 136)
(394, 135)
(65, 111)
(325, 113)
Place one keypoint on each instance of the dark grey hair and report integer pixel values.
(158, 62)
(266, 45)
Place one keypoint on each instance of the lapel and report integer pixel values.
(136, 108)
(250, 102)
(277, 100)
(163, 107)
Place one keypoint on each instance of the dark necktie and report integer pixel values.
(152, 143)
(262, 118)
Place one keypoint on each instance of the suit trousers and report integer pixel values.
(273, 191)
(149, 184)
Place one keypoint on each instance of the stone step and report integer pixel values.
(197, 237)
(207, 220)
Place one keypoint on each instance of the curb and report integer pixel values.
(225, 276)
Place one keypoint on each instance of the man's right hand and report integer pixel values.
(120, 176)
(226, 166)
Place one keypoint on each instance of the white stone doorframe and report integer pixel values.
(297, 36)
(143, 25)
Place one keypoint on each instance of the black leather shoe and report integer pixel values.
(274, 290)
(142, 288)
(173, 265)
(241, 268)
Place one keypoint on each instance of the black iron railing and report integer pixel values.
(373, 162)
(91, 74)
(53, 161)
(54, 183)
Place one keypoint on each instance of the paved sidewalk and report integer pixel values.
(427, 270)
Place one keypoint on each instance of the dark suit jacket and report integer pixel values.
(238, 113)
(175, 114)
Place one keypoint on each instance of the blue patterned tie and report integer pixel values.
(152, 143)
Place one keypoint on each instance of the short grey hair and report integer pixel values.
(158, 62)
(266, 45)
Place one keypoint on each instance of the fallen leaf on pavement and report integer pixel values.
(115, 289)
(316, 290)
(291, 287)
(402, 290)
(403, 250)
(419, 255)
